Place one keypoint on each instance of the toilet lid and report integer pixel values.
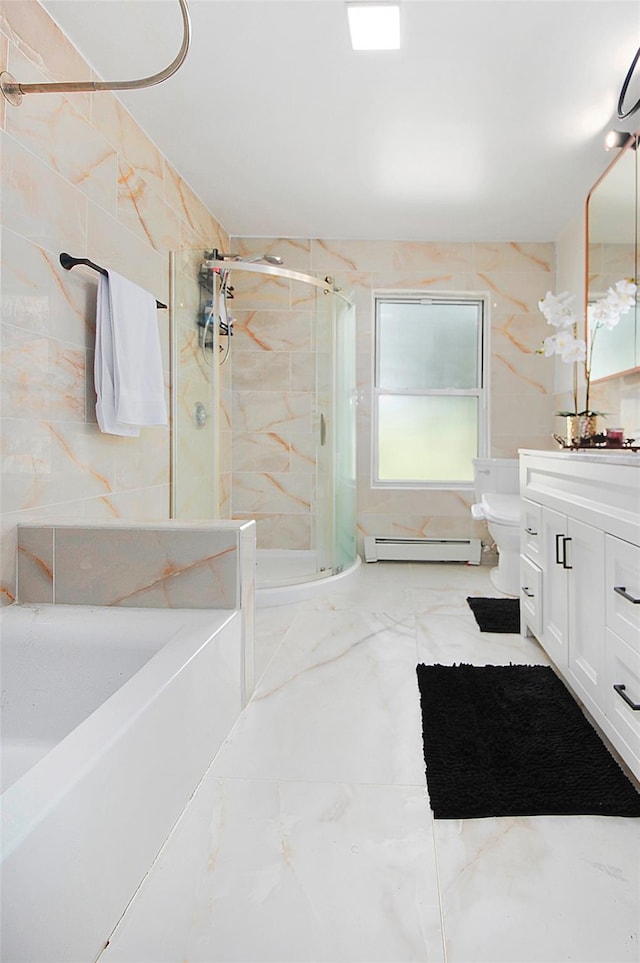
(501, 508)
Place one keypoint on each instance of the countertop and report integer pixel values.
(609, 456)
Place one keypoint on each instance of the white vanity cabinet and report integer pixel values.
(580, 580)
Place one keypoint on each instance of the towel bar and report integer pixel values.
(68, 262)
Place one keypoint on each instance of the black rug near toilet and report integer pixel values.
(496, 615)
(511, 740)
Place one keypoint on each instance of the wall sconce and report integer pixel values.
(616, 139)
(374, 25)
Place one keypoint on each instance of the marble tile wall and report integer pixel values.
(514, 276)
(78, 175)
(273, 419)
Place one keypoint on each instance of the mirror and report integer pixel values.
(613, 218)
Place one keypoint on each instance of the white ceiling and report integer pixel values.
(488, 124)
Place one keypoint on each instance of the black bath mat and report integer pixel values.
(496, 615)
(512, 741)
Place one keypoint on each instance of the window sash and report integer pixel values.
(478, 392)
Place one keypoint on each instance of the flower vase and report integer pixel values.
(571, 434)
(587, 427)
(580, 429)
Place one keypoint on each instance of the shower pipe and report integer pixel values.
(13, 91)
(326, 284)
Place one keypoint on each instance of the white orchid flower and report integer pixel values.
(549, 346)
(606, 312)
(558, 309)
(626, 291)
(574, 351)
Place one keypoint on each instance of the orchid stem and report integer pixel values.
(587, 370)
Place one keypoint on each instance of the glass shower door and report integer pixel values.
(336, 476)
(325, 427)
(345, 442)
(268, 431)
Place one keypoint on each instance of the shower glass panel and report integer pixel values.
(345, 418)
(194, 391)
(277, 440)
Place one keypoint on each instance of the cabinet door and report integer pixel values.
(622, 562)
(622, 667)
(555, 603)
(585, 556)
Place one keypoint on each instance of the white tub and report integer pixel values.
(110, 718)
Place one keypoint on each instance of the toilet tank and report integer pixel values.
(496, 475)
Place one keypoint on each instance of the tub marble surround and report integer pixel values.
(311, 838)
(155, 565)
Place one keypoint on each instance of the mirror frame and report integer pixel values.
(632, 145)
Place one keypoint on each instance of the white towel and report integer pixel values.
(128, 364)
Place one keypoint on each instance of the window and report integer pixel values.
(429, 398)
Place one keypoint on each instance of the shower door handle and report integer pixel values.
(323, 429)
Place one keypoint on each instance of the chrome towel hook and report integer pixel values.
(14, 91)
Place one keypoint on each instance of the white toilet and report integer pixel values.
(497, 488)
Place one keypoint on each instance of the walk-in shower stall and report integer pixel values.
(263, 409)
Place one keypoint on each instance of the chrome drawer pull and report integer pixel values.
(621, 590)
(620, 690)
(530, 595)
(530, 531)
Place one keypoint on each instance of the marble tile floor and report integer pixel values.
(311, 839)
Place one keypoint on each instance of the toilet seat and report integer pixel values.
(503, 509)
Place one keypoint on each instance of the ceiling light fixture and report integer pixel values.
(615, 139)
(374, 26)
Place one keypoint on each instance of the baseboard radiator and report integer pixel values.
(378, 548)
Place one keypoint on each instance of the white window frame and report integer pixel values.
(481, 392)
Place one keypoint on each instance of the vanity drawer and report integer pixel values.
(623, 669)
(622, 561)
(530, 537)
(531, 595)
